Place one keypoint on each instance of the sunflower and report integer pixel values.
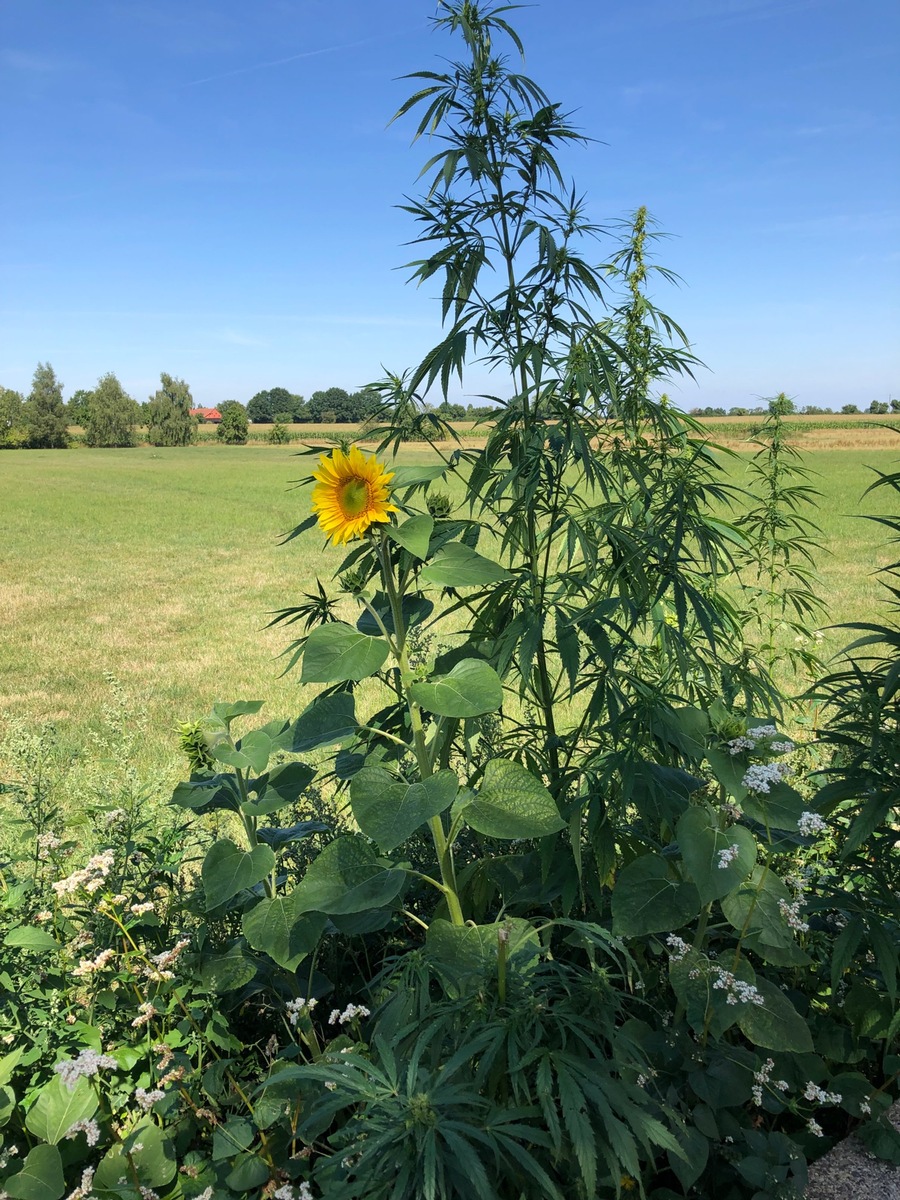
(351, 494)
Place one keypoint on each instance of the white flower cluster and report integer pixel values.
(737, 991)
(88, 966)
(6, 1154)
(291, 1191)
(763, 731)
(762, 776)
(91, 878)
(810, 823)
(728, 855)
(83, 1191)
(115, 817)
(298, 1008)
(764, 1076)
(160, 963)
(785, 747)
(814, 1092)
(89, 1128)
(678, 947)
(145, 1100)
(791, 913)
(350, 1013)
(739, 744)
(138, 909)
(88, 1063)
(46, 843)
(146, 1013)
(814, 1128)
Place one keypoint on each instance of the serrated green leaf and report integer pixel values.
(511, 803)
(228, 870)
(347, 878)
(413, 535)
(775, 1024)
(283, 929)
(458, 566)
(388, 810)
(325, 722)
(336, 652)
(647, 898)
(471, 689)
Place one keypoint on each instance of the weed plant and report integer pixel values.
(525, 903)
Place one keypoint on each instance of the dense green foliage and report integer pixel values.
(44, 414)
(233, 426)
(12, 428)
(111, 414)
(587, 920)
(169, 420)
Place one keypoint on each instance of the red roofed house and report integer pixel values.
(207, 414)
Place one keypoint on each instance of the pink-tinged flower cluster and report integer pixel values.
(88, 1063)
(90, 878)
(89, 966)
(158, 969)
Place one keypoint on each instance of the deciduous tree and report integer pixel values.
(111, 415)
(233, 426)
(169, 420)
(45, 413)
(12, 431)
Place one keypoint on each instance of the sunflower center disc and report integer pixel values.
(354, 496)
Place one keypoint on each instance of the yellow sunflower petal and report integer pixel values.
(351, 493)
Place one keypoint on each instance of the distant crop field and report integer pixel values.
(161, 567)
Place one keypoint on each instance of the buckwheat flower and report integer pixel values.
(90, 1129)
(145, 1100)
(728, 855)
(330, 1085)
(351, 1013)
(43, 915)
(677, 946)
(206, 1194)
(88, 1063)
(739, 744)
(89, 966)
(865, 1107)
(814, 1128)
(46, 843)
(139, 909)
(174, 1076)
(785, 747)
(762, 776)
(732, 811)
(295, 1009)
(737, 991)
(146, 1013)
(147, 1193)
(810, 823)
(791, 913)
(114, 817)
(762, 731)
(83, 1191)
(814, 1092)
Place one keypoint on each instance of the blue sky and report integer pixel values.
(208, 188)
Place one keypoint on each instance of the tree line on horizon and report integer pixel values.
(110, 417)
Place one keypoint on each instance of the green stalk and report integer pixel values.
(442, 846)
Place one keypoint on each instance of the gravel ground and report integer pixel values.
(848, 1172)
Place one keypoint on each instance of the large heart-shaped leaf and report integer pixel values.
(704, 847)
(283, 785)
(149, 1151)
(57, 1109)
(458, 565)
(228, 870)
(473, 950)
(277, 928)
(471, 689)
(413, 535)
(648, 899)
(756, 908)
(336, 652)
(41, 1176)
(511, 803)
(775, 1024)
(30, 937)
(389, 810)
(345, 878)
(324, 722)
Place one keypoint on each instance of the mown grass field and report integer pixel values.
(160, 567)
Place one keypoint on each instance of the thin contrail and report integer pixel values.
(278, 62)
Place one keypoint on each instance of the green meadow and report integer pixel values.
(159, 569)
